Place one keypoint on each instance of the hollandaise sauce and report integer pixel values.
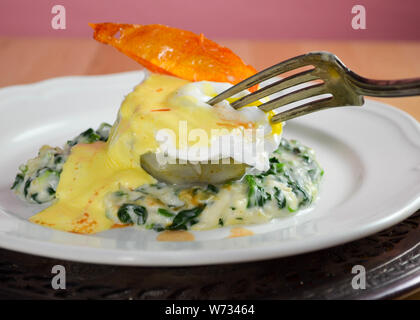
(97, 180)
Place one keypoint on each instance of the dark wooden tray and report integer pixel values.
(391, 259)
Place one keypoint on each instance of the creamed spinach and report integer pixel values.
(289, 185)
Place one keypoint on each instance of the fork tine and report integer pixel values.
(282, 67)
(294, 96)
(301, 110)
(282, 84)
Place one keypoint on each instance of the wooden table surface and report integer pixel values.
(25, 60)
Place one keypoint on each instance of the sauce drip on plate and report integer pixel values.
(175, 236)
(240, 232)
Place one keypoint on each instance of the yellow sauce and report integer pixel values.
(86, 178)
(93, 170)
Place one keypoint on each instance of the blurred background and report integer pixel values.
(261, 32)
(256, 19)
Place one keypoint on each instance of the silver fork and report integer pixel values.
(328, 76)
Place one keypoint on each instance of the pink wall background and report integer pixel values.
(262, 19)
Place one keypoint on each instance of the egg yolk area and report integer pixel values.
(93, 170)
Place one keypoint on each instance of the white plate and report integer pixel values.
(371, 157)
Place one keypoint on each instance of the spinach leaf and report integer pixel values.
(165, 213)
(131, 213)
(256, 193)
(221, 222)
(212, 188)
(26, 187)
(18, 180)
(280, 198)
(155, 226)
(185, 218)
(90, 135)
(298, 189)
(34, 197)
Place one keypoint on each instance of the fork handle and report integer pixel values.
(385, 88)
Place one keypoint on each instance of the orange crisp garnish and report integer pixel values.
(173, 51)
(116, 225)
(163, 109)
(230, 125)
(248, 125)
